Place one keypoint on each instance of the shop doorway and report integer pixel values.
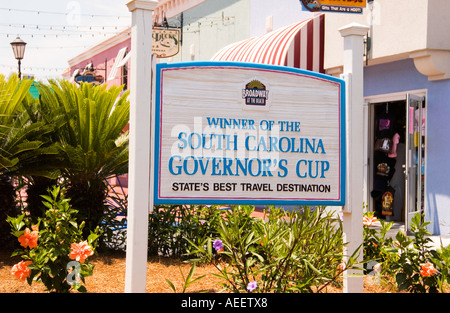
(397, 158)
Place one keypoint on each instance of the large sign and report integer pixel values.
(339, 6)
(241, 133)
(166, 42)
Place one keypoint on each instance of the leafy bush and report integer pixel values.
(19, 141)
(441, 259)
(411, 262)
(91, 142)
(170, 226)
(415, 270)
(298, 251)
(53, 246)
(377, 247)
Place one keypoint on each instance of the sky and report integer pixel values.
(56, 31)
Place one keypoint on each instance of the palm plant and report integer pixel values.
(41, 168)
(91, 141)
(14, 133)
(14, 126)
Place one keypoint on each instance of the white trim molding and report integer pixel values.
(393, 96)
(101, 47)
(433, 63)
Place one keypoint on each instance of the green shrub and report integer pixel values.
(53, 246)
(170, 226)
(411, 262)
(298, 251)
(377, 246)
(415, 256)
(90, 139)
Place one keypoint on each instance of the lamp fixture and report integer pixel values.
(18, 46)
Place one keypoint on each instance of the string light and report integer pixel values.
(56, 35)
(60, 27)
(51, 47)
(61, 30)
(118, 24)
(37, 68)
(63, 13)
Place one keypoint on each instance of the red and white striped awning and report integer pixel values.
(299, 45)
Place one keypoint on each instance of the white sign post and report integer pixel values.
(353, 212)
(140, 200)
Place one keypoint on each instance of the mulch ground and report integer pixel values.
(109, 276)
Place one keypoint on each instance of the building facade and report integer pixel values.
(406, 82)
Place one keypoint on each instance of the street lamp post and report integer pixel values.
(18, 46)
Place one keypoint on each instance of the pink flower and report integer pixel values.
(21, 270)
(80, 251)
(252, 286)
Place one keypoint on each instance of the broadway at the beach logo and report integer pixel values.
(255, 93)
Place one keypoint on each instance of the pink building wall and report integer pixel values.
(99, 60)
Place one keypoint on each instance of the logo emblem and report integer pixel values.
(255, 93)
(311, 5)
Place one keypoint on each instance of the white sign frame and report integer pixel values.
(165, 95)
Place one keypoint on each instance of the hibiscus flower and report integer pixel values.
(427, 269)
(29, 238)
(21, 270)
(80, 251)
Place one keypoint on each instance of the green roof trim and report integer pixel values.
(34, 91)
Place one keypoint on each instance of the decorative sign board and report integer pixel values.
(166, 42)
(241, 133)
(89, 78)
(339, 6)
(88, 75)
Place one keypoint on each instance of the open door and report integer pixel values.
(415, 157)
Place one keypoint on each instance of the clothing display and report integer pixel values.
(385, 125)
(385, 158)
(395, 142)
(383, 144)
(387, 201)
(397, 159)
